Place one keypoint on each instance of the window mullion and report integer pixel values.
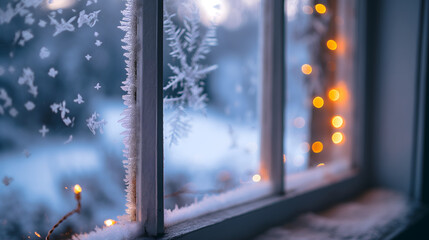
(272, 164)
(150, 178)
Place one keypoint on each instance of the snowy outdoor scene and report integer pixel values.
(64, 80)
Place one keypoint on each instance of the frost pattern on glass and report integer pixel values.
(188, 46)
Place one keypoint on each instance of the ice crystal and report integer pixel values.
(2, 71)
(98, 43)
(93, 124)
(44, 53)
(97, 86)
(90, 2)
(69, 140)
(52, 72)
(29, 19)
(44, 130)
(79, 99)
(88, 57)
(27, 78)
(130, 118)
(89, 19)
(96, 34)
(22, 37)
(42, 23)
(5, 97)
(29, 105)
(63, 110)
(189, 47)
(63, 26)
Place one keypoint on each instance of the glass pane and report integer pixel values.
(60, 102)
(319, 106)
(211, 105)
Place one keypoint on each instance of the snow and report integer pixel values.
(63, 25)
(89, 19)
(98, 43)
(121, 230)
(88, 57)
(213, 203)
(43, 131)
(371, 216)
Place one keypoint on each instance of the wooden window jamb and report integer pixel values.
(150, 178)
(272, 119)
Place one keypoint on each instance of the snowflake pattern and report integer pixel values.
(79, 99)
(27, 78)
(44, 53)
(93, 124)
(43, 131)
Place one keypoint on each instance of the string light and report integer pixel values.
(109, 222)
(334, 94)
(256, 178)
(37, 234)
(306, 69)
(331, 44)
(317, 147)
(77, 190)
(318, 102)
(320, 8)
(337, 137)
(320, 165)
(337, 121)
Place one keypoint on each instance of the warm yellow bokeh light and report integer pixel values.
(37, 234)
(320, 8)
(331, 44)
(77, 189)
(337, 121)
(109, 222)
(334, 94)
(306, 69)
(317, 147)
(337, 138)
(256, 178)
(318, 102)
(59, 4)
(320, 165)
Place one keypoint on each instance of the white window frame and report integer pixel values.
(248, 219)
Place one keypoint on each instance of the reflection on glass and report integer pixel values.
(50, 138)
(319, 107)
(211, 97)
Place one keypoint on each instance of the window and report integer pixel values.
(238, 114)
(199, 149)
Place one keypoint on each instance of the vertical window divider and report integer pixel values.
(273, 91)
(150, 175)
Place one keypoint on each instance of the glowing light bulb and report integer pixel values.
(337, 121)
(337, 137)
(331, 44)
(318, 102)
(334, 94)
(306, 69)
(256, 178)
(317, 147)
(320, 8)
(109, 222)
(37, 234)
(77, 189)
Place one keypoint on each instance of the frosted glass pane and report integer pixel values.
(211, 106)
(49, 74)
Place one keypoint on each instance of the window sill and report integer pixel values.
(250, 219)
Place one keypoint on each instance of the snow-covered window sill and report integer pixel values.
(377, 214)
